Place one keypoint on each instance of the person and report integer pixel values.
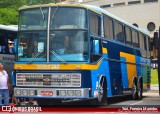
(60, 43)
(4, 85)
(15, 100)
(35, 48)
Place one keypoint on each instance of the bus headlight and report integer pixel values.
(70, 93)
(78, 92)
(62, 93)
(18, 92)
(25, 92)
(31, 92)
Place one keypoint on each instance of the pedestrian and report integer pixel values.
(4, 87)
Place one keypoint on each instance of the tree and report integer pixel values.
(8, 16)
(9, 9)
(36, 2)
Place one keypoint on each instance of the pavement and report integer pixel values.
(154, 87)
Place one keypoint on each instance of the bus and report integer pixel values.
(83, 52)
(7, 36)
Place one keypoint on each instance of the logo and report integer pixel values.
(11, 109)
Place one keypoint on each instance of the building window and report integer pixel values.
(108, 27)
(134, 2)
(151, 26)
(119, 4)
(128, 36)
(119, 32)
(105, 6)
(145, 1)
(94, 22)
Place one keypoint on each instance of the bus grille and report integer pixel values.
(49, 79)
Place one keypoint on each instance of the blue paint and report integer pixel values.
(102, 70)
(138, 67)
(124, 73)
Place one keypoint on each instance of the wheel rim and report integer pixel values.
(134, 91)
(101, 90)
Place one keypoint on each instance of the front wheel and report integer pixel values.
(102, 93)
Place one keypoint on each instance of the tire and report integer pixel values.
(102, 94)
(140, 88)
(134, 89)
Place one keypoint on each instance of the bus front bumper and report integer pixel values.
(51, 93)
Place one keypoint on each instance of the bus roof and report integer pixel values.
(93, 8)
(9, 27)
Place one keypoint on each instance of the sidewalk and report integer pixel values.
(154, 87)
(154, 91)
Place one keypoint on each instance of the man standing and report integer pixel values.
(4, 91)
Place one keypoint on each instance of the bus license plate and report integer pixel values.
(46, 93)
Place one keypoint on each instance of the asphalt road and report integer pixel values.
(150, 101)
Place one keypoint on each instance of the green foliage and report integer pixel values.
(9, 9)
(36, 2)
(154, 76)
(8, 16)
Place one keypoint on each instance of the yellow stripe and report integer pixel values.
(57, 66)
(131, 68)
(105, 51)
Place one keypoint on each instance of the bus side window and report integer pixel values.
(94, 23)
(128, 36)
(119, 32)
(135, 41)
(108, 27)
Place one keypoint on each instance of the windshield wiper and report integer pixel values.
(56, 55)
(42, 13)
(54, 13)
(35, 56)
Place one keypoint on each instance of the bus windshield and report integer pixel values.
(33, 19)
(68, 34)
(68, 39)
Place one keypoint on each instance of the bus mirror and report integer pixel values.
(15, 45)
(20, 50)
(96, 47)
(40, 46)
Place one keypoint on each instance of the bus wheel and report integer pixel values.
(134, 89)
(102, 92)
(140, 87)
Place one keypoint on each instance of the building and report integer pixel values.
(142, 13)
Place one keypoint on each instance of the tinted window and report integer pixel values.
(128, 36)
(94, 22)
(135, 38)
(108, 28)
(142, 43)
(7, 41)
(119, 32)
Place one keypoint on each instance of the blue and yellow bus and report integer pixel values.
(73, 51)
